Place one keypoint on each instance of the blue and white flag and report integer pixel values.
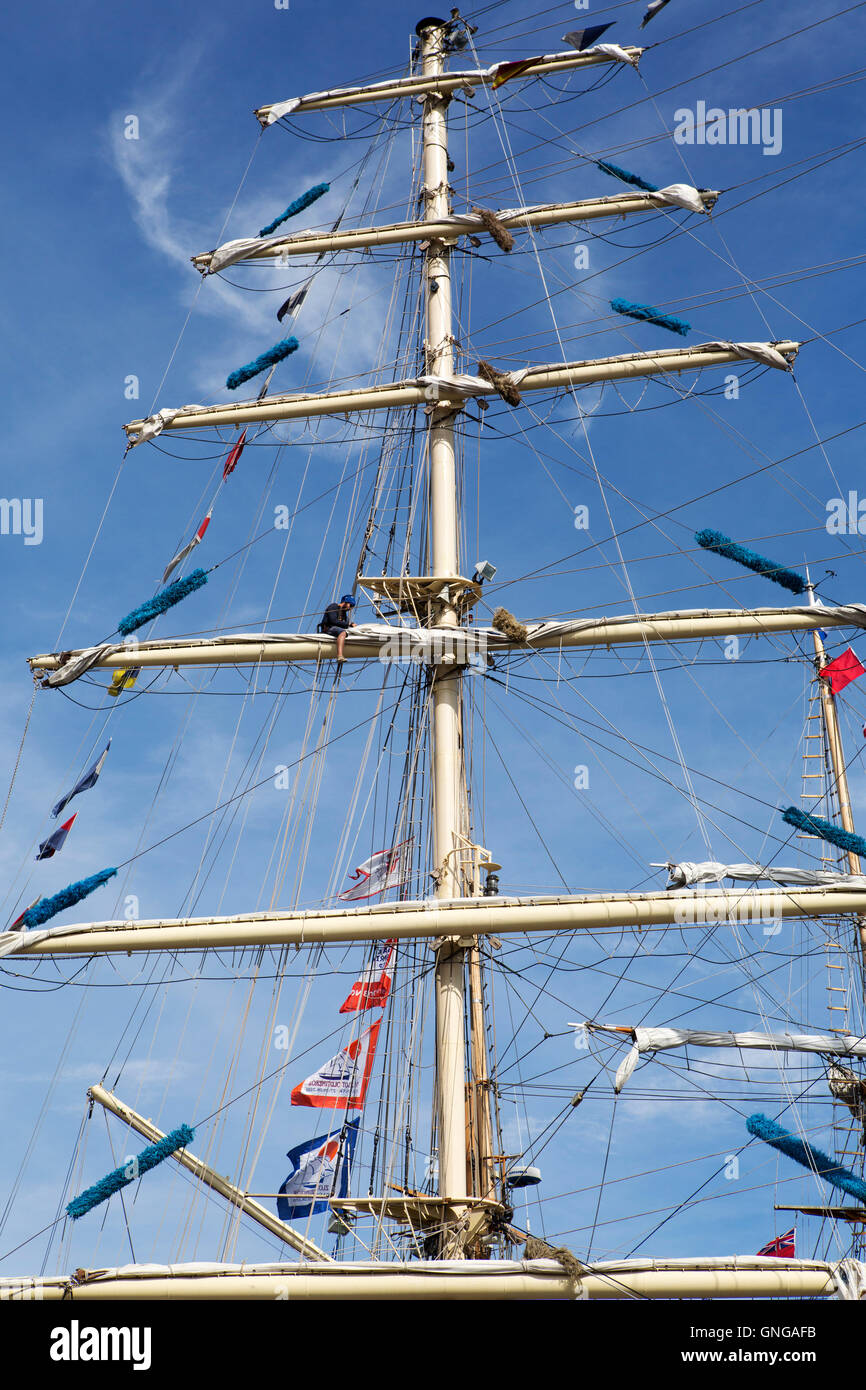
(84, 783)
(321, 1169)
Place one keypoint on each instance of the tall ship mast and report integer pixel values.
(433, 936)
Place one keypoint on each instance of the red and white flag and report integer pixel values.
(341, 1084)
(841, 672)
(782, 1246)
(371, 989)
(14, 926)
(388, 868)
(196, 540)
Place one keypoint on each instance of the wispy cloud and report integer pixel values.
(150, 154)
(147, 148)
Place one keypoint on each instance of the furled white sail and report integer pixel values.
(687, 874)
(155, 424)
(661, 1039)
(759, 352)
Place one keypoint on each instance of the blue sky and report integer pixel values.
(99, 289)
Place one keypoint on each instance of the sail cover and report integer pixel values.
(758, 352)
(661, 1039)
(686, 875)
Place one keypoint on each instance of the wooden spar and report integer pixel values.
(661, 362)
(420, 83)
(732, 1276)
(834, 1213)
(606, 632)
(210, 1178)
(462, 919)
(395, 233)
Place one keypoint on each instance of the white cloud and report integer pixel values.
(152, 167)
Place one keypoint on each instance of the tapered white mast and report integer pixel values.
(448, 788)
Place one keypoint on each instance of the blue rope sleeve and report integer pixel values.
(122, 1177)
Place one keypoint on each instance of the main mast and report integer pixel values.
(448, 778)
(455, 922)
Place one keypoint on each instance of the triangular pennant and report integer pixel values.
(189, 547)
(55, 842)
(294, 302)
(585, 38)
(652, 10)
(84, 783)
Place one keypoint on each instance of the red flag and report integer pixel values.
(231, 462)
(55, 841)
(372, 988)
(14, 926)
(782, 1247)
(841, 672)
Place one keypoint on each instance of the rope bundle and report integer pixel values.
(537, 1249)
(501, 381)
(500, 233)
(507, 624)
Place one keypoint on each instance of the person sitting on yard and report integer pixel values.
(336, 622)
